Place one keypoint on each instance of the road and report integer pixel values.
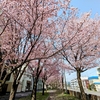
(18, 95)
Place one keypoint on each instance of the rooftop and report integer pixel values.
(92, 77)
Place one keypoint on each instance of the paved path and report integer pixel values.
(23, 94)
(52, 94)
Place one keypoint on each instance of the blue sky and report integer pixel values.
(85, 6)
(88, 73)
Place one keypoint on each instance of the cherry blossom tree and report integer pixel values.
(41, 69)
(32, 26)
(29, 27)
(82, 54)
(54, 81)
(30, 23)
(4, 21)
(50, 69)
(37, 67)
(55, 67)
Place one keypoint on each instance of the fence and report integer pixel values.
(88, 96)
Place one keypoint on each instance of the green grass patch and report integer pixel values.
(42, 97)
(65, 97)
(39, 97)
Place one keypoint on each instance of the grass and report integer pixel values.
(65, 97)
(42, 97)
(39, 97)
(57, 96)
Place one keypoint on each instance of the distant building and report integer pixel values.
(93, 79)
(74, 83)
(25, 84)
(98, 72)
(94, 82)
(85, 82)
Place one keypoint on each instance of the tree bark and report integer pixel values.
(34, 90)
(82, 92)
(13, 90)
(62, 84)
(43, 88)
(66, 87)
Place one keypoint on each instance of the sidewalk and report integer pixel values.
(17, 97)
(52, 94)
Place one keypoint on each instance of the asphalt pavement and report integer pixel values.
(17, 97)
(24, 94)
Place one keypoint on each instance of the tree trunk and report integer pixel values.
(34, 90)
(62, 84)
(2, 84)
(43, 88)
(83, 96)
(13, 90)
(66, 87)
